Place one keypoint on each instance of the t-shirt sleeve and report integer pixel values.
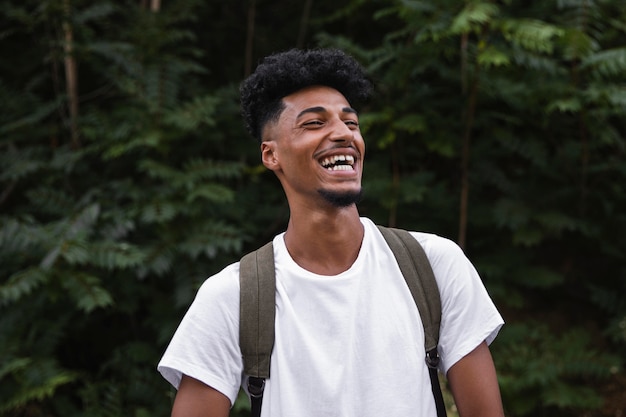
(206, 344)
(468, 315)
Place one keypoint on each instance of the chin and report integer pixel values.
(342, 199)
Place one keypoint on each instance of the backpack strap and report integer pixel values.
(421, 281)
(257, 309)
(420, 278)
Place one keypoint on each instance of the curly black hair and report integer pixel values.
(284, 73)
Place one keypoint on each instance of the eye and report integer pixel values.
(312, 123)
(352, 124)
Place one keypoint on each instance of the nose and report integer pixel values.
(341, 132)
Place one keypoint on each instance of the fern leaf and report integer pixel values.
(412, 123)
(37, 393)
(116, 52)
(70, 230)
(473, 16)
(111, 403)
(93, 12)
(75, 251)
(86, 291)
(33, 117)
(492, 57)
(577, 44)
(533, 35)
(159, 212)
(190, 116)
(617, 97)
(538, 277)
(83, 221)
(210, 238)
(528, 236)
(212, 192)
(607, 63)
(13, 365)
(210, 169)
(16, 237)
(510, 213)
(541, 63)
(113, 255)
(564, 105)
(607, 96)
(149, 139)
(556, 221)
(21, 284)
(160, 171)
(117, 228)
(19, 164)
(416, 6)
(158, 259)
(565, 396)
(49, 200)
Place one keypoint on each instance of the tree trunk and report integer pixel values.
(395, 185)
(470, 111)
(249, 38)
(71, 75)
(304, 23)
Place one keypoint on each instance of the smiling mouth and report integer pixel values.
(338, 163)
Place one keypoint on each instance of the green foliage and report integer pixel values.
(100, 243)
(554, 370)
(104, 244)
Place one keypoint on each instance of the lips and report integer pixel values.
(338, 163)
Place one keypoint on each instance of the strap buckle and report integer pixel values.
(256, 386)
(432, 358)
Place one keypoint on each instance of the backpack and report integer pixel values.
(258, 310)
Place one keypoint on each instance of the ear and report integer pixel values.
(269, 155)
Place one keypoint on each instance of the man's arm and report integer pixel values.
(196, 399)
(474, 385)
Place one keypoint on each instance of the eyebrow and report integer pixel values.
(320, 109)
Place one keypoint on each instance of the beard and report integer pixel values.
(343, 199)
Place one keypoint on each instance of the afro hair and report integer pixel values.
(284, 73)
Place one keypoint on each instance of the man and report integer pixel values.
(348, 335)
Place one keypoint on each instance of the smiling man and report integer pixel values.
(349, 340)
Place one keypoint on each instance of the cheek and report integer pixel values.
(360, 145)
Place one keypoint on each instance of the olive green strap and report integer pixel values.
(257, 280)
(420, 278)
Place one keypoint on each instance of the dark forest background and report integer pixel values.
(126, 179)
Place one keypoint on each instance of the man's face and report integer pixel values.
(315, 148)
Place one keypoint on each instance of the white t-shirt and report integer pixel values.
(349, 345)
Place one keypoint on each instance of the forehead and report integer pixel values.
(315, 96)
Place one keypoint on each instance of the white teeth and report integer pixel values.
(330, 162)
(340, 168)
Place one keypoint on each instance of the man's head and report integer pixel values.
(284, 73)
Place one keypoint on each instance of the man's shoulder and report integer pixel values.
(223, 285)
(431, 242)
(435, 242)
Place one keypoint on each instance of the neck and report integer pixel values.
(325, 242)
